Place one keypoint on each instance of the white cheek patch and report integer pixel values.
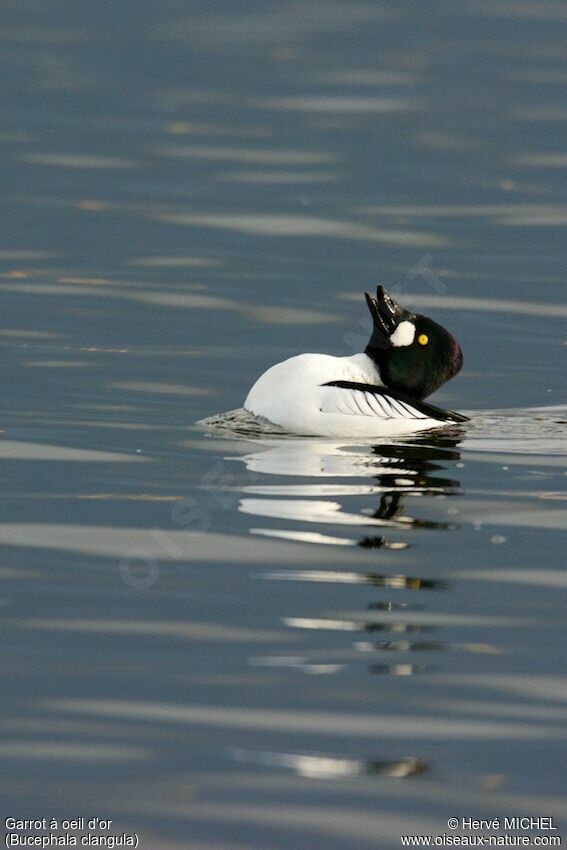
(403, 335)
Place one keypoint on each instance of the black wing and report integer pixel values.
(372, 400)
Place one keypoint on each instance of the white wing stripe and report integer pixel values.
(407, 410)
(377, 403)
(359, 402)
(397, 405)
(358, 398)
(368, 403)
(385, 405)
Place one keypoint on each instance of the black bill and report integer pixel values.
(387, 315)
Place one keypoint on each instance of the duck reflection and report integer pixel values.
(313, 489)
(390, 471)
(324, 480)
(311, 766)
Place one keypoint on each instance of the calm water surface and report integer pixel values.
(258, 644)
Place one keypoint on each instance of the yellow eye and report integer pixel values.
(423, 339)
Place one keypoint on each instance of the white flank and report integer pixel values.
(296, 396)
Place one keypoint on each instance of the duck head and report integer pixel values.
(413, 354)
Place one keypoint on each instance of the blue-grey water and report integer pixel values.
(228, 643)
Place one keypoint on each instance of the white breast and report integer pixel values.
(287, 393)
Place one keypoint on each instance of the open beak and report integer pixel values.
(387, 315)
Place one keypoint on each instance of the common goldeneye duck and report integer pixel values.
(376, 393)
